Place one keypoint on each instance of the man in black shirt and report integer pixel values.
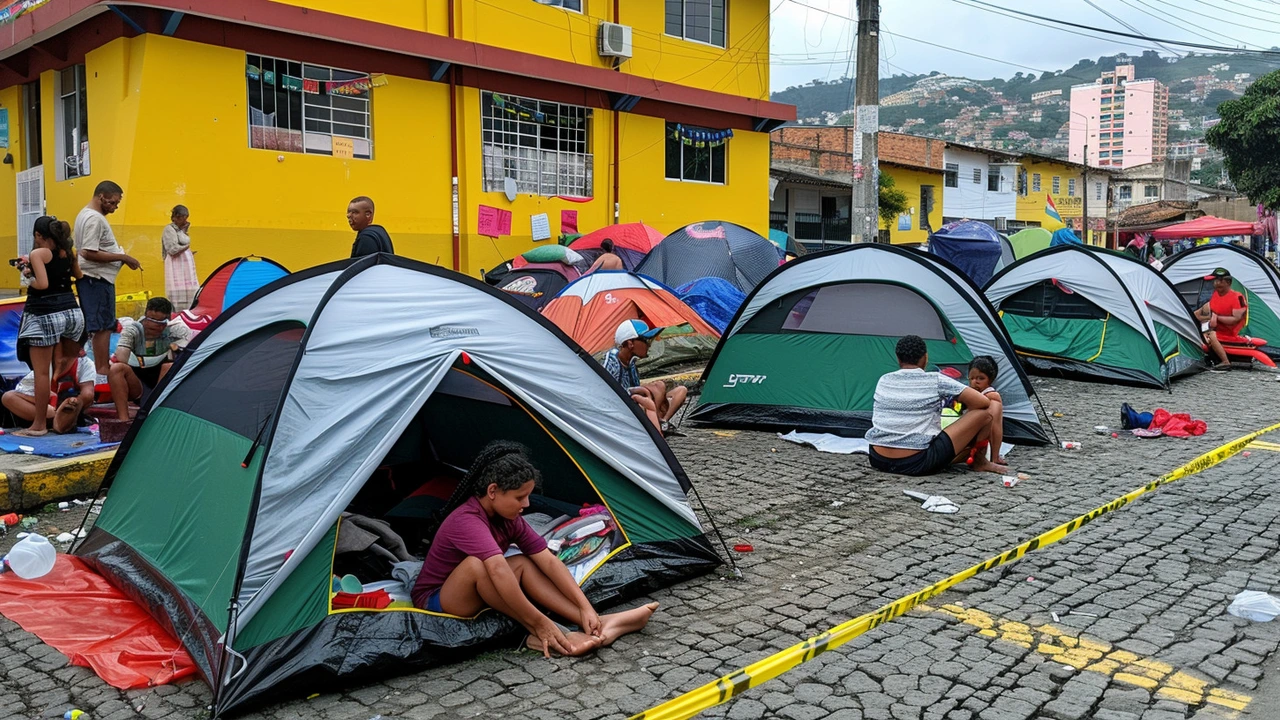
(370, 238)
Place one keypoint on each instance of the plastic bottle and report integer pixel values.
(1068, 445)
(32, 557)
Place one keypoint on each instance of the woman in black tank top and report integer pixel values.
(52, 330)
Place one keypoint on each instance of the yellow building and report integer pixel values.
(266, 117)
(923, 187)
(1041, 177)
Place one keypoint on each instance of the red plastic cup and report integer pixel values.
(743, 548)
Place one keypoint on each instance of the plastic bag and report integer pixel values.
(1254, 605)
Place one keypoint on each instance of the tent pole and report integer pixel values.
(732, 562)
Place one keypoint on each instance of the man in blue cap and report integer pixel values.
(633, 338)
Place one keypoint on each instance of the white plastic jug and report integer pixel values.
(32, 557)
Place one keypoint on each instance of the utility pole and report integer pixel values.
(864, 212)
(1085, 209)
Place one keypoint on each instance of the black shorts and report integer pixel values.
(149, 377)
(933, 459)
(98, 302)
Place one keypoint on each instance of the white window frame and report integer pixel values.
(1125, 192)
(993, 173)
(724, 158)
(357, 112)
(951, 175)
(562, 4)
(1151, 191)
(684, 15)
(73, 162)
(544, 159)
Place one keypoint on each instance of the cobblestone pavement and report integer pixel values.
(1124, 620)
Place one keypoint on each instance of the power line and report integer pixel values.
(1171, 23)
(1093, 5)
(981, 4)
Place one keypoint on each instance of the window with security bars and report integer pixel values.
(1057, 185)
(73, 122)
(297, 107)
(698, 20)
(688, 162)
(543, 146)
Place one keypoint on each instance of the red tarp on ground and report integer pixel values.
(1202, 227)
(78, 613)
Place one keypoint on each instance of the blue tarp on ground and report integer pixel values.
(971, 246)
(715, 300)
(1064, 236)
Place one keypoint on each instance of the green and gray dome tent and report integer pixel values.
(1251, 274)
(229, 488)
(1094, 314)
(809, 344)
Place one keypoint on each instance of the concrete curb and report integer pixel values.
(37, 485)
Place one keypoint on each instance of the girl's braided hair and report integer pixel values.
(502, 463)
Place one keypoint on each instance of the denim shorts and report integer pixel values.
(98, 302)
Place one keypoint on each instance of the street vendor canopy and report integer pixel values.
(1207, 226)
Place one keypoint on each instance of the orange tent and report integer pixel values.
(591, 308)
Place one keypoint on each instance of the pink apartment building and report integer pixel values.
(1123, 121)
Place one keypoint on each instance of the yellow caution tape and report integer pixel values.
(739, 681)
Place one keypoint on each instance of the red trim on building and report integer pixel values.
(280, 30)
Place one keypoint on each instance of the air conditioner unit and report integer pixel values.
(615, 40)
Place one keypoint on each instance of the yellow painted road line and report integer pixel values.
(1163, 680)
(725, 688)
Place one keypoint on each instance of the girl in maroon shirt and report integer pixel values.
(465, 570)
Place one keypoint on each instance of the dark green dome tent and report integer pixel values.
(228, 490)
(1092, 314)
(809, 344)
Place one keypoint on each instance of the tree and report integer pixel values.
(893, 202)
(1248, 137)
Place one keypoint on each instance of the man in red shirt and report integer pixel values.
(1222, 317)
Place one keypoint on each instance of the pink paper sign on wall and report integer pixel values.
(568, 221)
(494, 222)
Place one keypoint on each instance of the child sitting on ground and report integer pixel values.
(465, 570)
(982, 375)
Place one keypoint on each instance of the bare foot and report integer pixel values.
(64, 420)
(988, 466)
(577, 643)
(615, 625)
(31, 432)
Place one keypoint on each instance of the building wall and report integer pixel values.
(167, 145)
(910, 181)
(1133, 130)
(741, 68)
(1031, 206)
(1081, 131)
(971, 199)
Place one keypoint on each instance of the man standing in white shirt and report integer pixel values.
(100, 260)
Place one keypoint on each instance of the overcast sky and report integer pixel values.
(807, 43)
